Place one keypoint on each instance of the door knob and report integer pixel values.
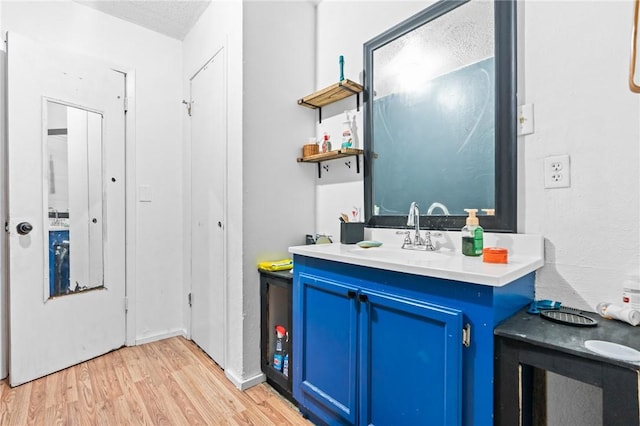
(24, 228)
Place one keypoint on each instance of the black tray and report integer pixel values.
(568, 316)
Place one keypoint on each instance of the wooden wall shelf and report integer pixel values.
(332, 155)
(331, 94)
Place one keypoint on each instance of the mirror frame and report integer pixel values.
(506, 156)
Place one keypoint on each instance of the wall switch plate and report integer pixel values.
(144, 193)
(557, 171)
(525, 120)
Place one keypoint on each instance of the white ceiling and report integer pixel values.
(173, 18)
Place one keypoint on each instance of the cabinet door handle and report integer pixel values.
(363, 298)
(351, 294)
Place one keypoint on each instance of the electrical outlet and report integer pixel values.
(557, 171)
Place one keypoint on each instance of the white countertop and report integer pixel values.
(526, 254)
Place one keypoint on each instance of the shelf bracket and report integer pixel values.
(357, 163)
(320, 167)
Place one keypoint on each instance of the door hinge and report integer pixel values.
(466, 335)
(189, 297)
(6, 227)
(126, 104)
(126, 304)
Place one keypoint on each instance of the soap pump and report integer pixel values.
(472, 235)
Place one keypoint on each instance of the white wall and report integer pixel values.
(574, 70)
(278, 194)
(157, 61)
(343, 28)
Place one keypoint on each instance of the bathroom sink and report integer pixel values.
(398, 254)
(613, 350)
(447, 262)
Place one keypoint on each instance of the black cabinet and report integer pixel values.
(526, 343)
(275, 310)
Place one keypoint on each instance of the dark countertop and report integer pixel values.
(570, 339)
(287, 275)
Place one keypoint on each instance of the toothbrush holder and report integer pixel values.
(351, 232)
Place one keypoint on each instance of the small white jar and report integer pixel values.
(631, 292)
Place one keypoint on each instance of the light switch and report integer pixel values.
(525, 120)
(144, 193)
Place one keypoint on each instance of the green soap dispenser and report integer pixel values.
(472, 235)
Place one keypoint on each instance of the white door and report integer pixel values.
(66, 187)
(208, 171)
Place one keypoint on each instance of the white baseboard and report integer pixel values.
(244, 384)
(160, 336)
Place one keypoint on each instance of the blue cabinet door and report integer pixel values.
(410, 362)
(325, 319)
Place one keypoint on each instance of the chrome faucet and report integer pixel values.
(417, 243)
(413, 219)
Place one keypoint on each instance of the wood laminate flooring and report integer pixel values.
(169, 382)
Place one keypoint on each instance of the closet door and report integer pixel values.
(208, 184)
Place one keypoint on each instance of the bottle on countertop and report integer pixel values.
(472, 235)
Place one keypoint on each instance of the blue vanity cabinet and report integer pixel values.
(326, 379)
(378, 347)
(410, 362)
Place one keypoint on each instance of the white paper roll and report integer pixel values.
(628, 315)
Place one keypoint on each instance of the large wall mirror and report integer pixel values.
(440, 117)
(74, 199)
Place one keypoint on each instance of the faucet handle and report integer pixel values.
(407, 237)
(427, 238)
